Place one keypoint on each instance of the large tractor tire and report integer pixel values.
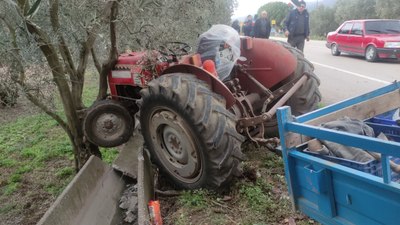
(307, 97)
(189, 133)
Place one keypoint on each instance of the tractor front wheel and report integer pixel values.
(108, 124)
(189, 133)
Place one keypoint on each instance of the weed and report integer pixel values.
(273, 161)
(308, 222)
(65, 172)
(195, 198)
(109, 154)
(54, 189)
(26, 145)
(7, 163)
(15, 178)
(24, 169)
(183, 219)
(255, 197)
(7, 208)
(11, 188)
(89, 93)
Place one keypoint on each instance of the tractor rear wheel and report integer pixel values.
(307, 97)
(189, 133)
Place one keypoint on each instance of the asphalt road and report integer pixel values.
(347, 76)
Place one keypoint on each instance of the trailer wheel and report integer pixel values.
(307, 97)
(189, 133)
(108, 124)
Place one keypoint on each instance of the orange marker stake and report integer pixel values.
(155, 213)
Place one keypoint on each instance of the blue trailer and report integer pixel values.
(334, 192)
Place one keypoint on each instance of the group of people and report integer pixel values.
(259, 27)
(296, 26)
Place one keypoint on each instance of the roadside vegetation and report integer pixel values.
(324, 19)
(36, 163)
(259, 197)
(37, 158)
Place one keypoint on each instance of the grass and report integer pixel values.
(316, 37)
(256, 197)
(263, 200)
(27, 145)
(196, 198)
(36, 159)
(7, 208)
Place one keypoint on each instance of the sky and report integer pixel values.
(246, 7)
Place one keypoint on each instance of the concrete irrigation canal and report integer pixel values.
(103, 195)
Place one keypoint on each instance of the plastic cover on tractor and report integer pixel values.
(221, 43)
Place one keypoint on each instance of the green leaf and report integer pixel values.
(34, 8)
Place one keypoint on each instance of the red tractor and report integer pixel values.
(196, 110)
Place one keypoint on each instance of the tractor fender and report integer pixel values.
(268, 61)
(213, 82)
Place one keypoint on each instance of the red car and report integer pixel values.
(373, 38)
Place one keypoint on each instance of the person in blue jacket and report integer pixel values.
(297, 26)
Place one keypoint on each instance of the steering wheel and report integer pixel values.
(175, 48)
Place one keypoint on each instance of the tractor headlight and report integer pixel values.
(392, 44)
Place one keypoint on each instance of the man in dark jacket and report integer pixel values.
(297, 26)
(236, 26)
(248, 25)
(262, 27)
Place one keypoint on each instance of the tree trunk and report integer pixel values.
(74, 124)
(83, 149)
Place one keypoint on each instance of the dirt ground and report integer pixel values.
(22, 108)
(28, 204)
(263, 170)
(31, 199)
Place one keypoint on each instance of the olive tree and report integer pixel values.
(276, 11)
(388, 9)
(354, 9)
(322, 20)
(57, 41)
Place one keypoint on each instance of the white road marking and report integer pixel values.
(352, 73)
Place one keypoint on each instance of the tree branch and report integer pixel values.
(140, 29)
(64, 50)
(50, 53)
(75, 131)
(96, 61)
(21, 80)
(113, 54)
(92, 34)
(16, 50)
(43, 107)
(24, 5)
